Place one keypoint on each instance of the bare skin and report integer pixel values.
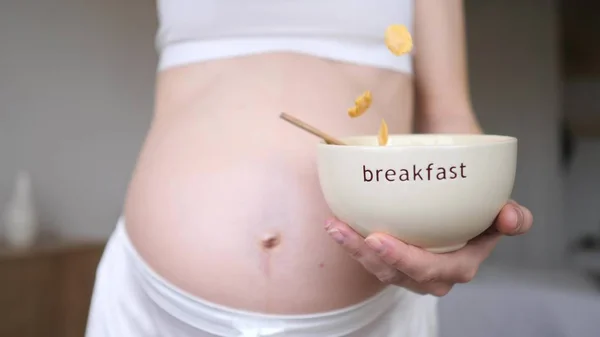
(224, 201)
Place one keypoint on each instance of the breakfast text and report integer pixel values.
(415, 173)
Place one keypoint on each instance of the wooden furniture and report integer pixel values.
(45, 290)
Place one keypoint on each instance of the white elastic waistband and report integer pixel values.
(361, 52)
(224, 321)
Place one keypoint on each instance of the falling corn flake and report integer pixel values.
(361, 105)
(398, 39)
(364, 100)
(383, 136)
(353, 112)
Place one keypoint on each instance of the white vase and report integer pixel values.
(20, 218)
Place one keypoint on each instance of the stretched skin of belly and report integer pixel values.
(225, 202)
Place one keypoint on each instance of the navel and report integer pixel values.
(271, 241)
(268, 243)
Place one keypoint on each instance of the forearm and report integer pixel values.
(442, 90)
(460, 120)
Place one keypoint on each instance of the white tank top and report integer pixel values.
(342, 30)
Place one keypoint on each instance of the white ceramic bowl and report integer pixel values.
(435, 191)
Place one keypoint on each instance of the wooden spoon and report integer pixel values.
(310, 129)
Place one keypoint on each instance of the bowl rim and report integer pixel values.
(491, 140)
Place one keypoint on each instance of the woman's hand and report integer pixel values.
(394, 262)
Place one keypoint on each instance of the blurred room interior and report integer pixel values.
(76, 96)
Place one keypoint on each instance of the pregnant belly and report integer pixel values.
(225, 201)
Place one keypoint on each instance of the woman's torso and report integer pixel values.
(220, 172)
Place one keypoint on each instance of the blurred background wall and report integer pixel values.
(76, 94)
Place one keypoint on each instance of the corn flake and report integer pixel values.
(383, 136)
(361, 105)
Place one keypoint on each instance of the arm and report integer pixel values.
(444, 107)
(441, 76)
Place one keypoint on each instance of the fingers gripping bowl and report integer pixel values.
(433, 191)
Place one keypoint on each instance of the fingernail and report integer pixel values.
(375, 244)
(518, 218)
(328, 224)
(336, 235)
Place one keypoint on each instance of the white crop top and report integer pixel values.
(343, 30)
